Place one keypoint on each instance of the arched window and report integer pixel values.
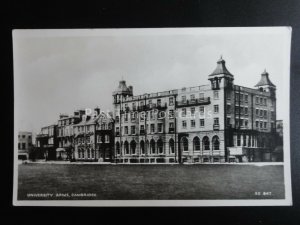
(142, 147)
(205, 143)
(82, 153)
(160, 146)
(196, 144)
(147, 147)
(79, 153)
(184, 144)
(118, 148)
(172, 146)
(132, 147)
(216, 143)
(126, 148)
(152, 146)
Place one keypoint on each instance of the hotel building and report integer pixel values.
(216, 122)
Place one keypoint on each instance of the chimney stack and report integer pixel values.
(97, 111)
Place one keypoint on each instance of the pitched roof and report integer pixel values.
(221, 68)
(90, 121)
(122, 88)
(264, 80)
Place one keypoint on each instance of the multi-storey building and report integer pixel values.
(65, 133)
(144, 125)
(94, 139)
(24, 144)
(216, 122)
(47, 143)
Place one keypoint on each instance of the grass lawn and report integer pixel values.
(133, 182)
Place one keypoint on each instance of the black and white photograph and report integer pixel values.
(152, 117)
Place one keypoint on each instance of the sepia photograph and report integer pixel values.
(152, 117)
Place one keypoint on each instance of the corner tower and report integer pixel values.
(220, 77)
(122, 92)
(265, 84)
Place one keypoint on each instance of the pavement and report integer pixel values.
(108, 163)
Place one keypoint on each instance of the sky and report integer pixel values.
(60, 71)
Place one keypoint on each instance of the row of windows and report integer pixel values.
(245, 111)
(103, 126)
(260, 101)
(149, 102)
(24, 136)
(262, 113)
(240, 122)
(205, 143)
(159, 147)
(90, 153)
(242, 97)
(152, 114)
(201, 110)
(261, 125)
(242, 140)
(239, 97)
(65, 132)
(245, 123)
(201, 123)
(48, 130)
(171, 100)
(100, 139)
(201, 96)
(65, 122)
(160, 128)
(238, 110)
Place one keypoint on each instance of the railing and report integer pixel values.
(197, 101)
(162, 107)
(152, 106)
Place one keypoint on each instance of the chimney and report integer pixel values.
(61, 116)
(97, 111)
(76, 113)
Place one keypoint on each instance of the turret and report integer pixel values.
(122, 91)
(219, 74)
(265, 83)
